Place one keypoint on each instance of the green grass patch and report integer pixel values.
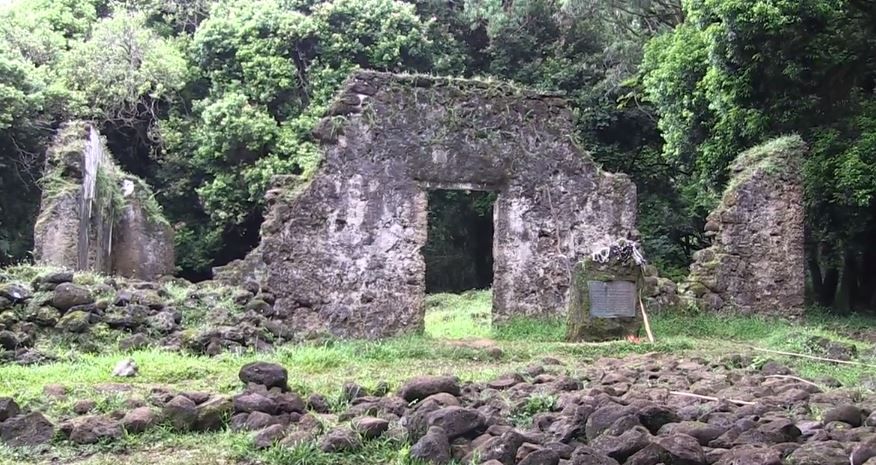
(452, 323)
(459, 316)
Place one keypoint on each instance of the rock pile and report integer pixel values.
(137, 313)
(642, 410)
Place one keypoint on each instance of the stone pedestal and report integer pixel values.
(603, 300)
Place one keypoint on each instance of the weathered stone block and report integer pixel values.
(604, 296)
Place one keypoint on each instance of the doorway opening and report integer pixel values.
(459, 249)
(459, 264)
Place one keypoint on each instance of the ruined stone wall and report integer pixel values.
(342, 249)
(755, 264)
(95, 217)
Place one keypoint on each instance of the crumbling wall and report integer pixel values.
(143, 243)
(95, 217)
(755, 264)
(342, 249)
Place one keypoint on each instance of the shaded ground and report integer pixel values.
(485, 354)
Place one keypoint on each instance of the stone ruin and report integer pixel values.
(342, 249)
(755, 264)
(95, 217)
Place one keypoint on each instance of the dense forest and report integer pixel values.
(207, 100)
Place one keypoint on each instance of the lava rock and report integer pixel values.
(181, 412)
(849, 414)
(541, 457)
(370, 427)
(8, 408)
(425, 386)
(139, 420)
(8, 340)
(69, 295)
(92, 429)
(751, 455)
(820, 453)
(211, 414)
(339, 440)
(31, 429)
(269, 436)
(267, 374)
(81, 407)
(433, 447)
(134, 342)
(254, 402)
(457, 421)
(76, 321)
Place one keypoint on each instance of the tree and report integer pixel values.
(737, 73)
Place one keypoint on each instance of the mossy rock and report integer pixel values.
(76, 321)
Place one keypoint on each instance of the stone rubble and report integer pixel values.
(626, 414)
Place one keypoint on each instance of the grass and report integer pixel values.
(451, 322)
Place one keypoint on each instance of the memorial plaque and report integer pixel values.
(612, 299)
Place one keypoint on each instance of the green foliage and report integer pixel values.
(122, 70)
(739, 72)
(535, 404)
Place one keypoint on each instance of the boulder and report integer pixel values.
(370, 427)
(139, 420)
(339, 440)
(267, 374)
(213, 413)
(69, 295)
(181, 412)
(8, 408)
(75, 322)
(457, 421)
(269, 436)
(424, 386)
(31, 429)
(432, 448)
(92, 429)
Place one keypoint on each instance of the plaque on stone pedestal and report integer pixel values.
(604, 295)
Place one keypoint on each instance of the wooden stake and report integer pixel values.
(697, 396)
(645, 320)
(813, 357)
(795, 379)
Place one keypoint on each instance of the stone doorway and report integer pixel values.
(458, 253)
(342, 249)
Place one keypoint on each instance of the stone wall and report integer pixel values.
(755, 264)
(342, 248)
(95, 217)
